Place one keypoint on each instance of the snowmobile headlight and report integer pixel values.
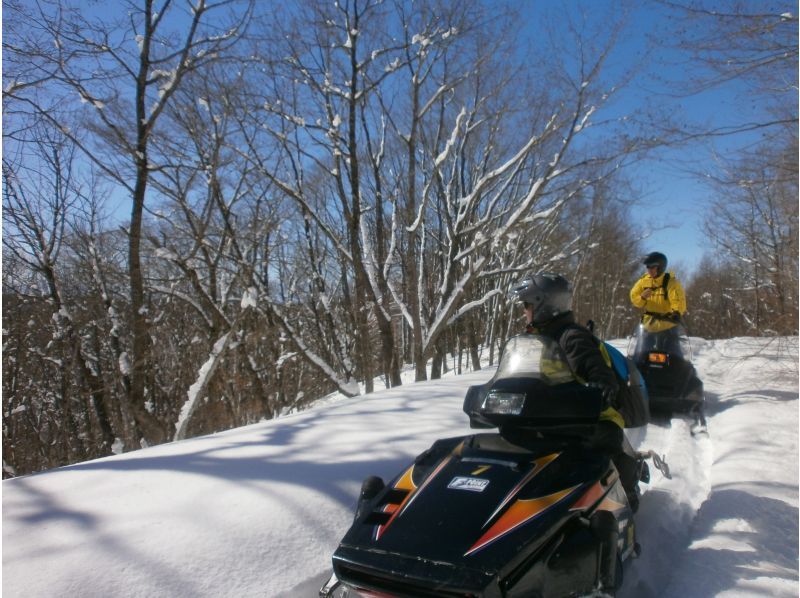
(503, 403)
(658, 358)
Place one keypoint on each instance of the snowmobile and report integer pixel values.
(526, 510)
(665, 362)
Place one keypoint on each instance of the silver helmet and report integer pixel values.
(549, 293)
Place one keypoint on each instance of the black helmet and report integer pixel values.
(550, 294)
(656, 259)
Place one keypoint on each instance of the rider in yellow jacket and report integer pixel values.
(663, 307)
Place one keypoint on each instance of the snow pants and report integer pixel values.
(610, 439)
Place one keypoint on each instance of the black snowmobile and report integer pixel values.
(525, 511)
(665, 362)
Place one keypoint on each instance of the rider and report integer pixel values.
(661, 297)
(547, 299)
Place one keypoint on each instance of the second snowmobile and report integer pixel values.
(526, 510)
(665, 362)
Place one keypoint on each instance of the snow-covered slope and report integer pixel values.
(258, 511)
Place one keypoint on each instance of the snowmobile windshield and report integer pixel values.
(674, 341)
(534, 356)
(533, 388)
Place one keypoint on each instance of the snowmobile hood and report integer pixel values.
(469, 507)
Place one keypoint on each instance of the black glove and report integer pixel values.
(606, 391)
(675, 316)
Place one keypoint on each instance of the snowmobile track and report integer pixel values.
(668, 506)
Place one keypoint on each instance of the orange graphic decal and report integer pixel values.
(591, 496)
(406, 482)
(538, 465)
(609, 504)
(518, 514)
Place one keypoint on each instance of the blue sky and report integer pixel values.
(673, 210)
(672, 197)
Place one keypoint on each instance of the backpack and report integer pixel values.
(631, 400)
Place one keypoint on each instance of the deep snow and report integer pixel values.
(257, 511)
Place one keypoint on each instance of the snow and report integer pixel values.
(258, 511)
(450, 142)
(88, 99)
(197, 389)
(249, 298)
(118, 446)
(165, 253)
(125, 364)
(421, 40)
(392, 66)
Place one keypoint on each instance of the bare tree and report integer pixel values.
(492, 207)
(124, 72)
(35, 210)
(214, 225)
(608, 259)
(752, 49)
(715, 297)
(442, 168)
(754, 45)
(753, 223)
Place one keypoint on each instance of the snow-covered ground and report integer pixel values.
(257, 511)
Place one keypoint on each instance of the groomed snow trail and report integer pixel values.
(668, 506)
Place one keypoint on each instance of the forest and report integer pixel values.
(216, 212)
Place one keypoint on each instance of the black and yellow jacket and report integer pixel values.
(583, 355)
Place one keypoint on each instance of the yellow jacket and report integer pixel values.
(659, 302)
